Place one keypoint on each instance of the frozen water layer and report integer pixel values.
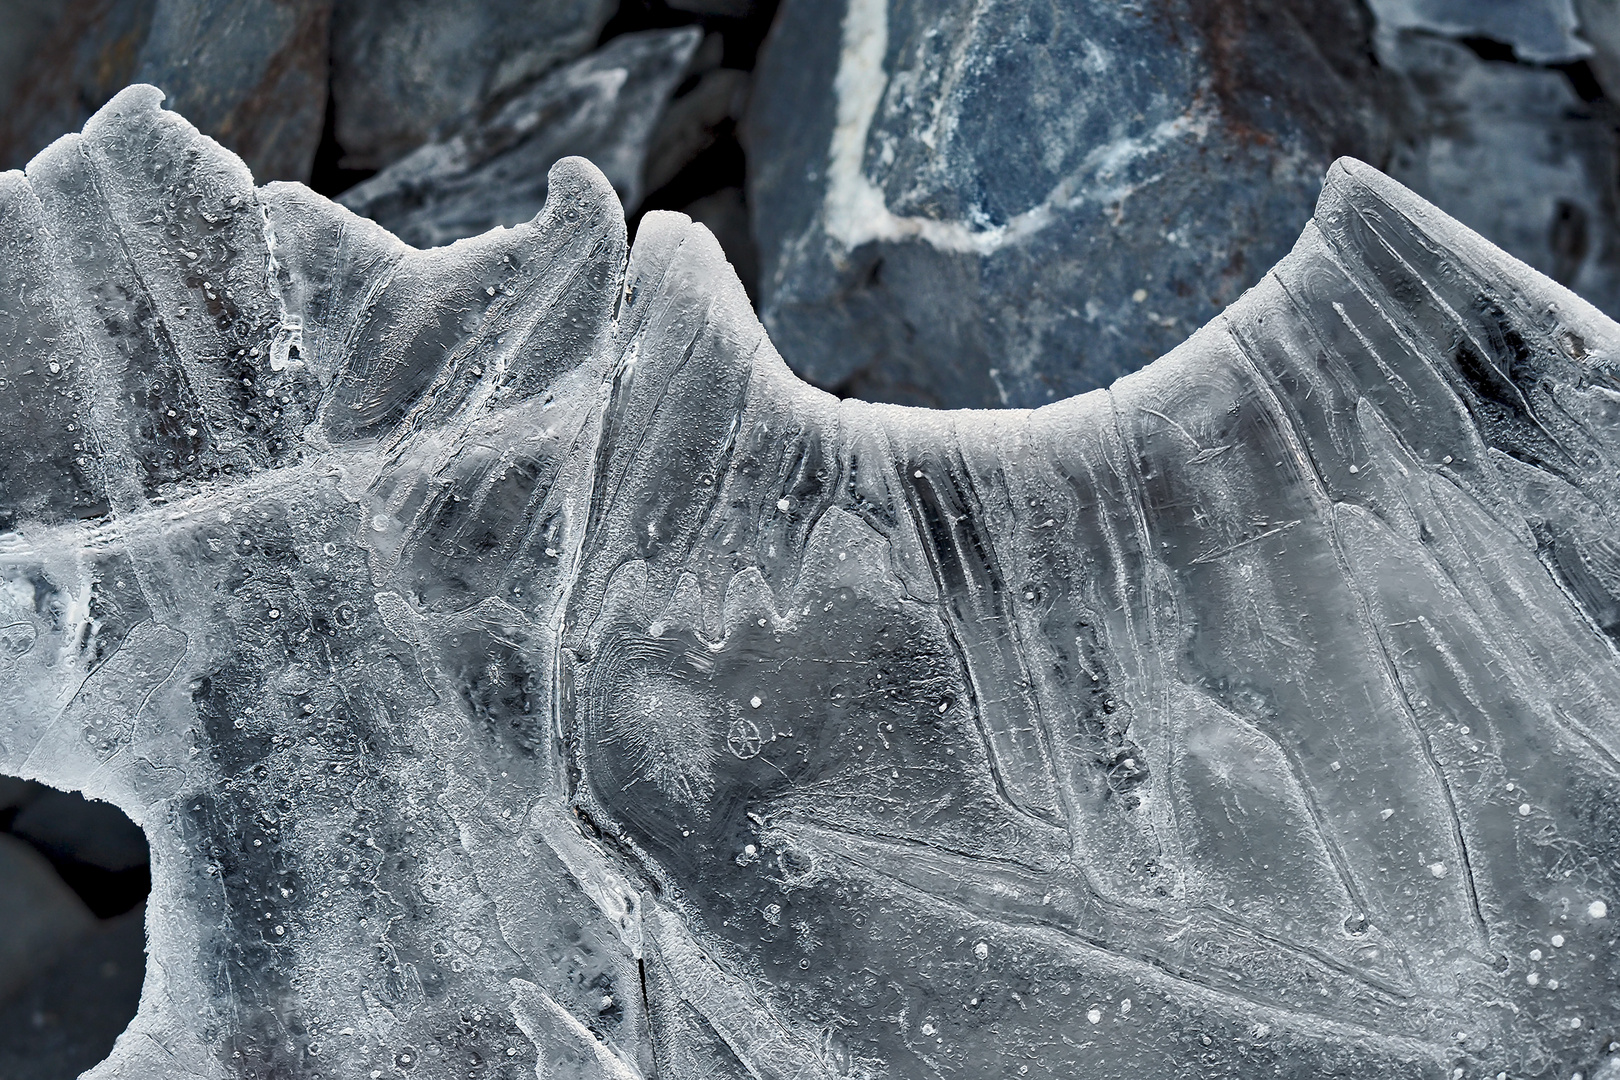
(516, 668)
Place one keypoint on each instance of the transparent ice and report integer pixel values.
(518, 672)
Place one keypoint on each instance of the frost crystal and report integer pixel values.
(518, 672)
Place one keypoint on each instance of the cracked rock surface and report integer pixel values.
(517, 671)
(975, 204)
(1004, 203)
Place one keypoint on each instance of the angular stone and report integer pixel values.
(492, 172)
(60, 60)
(990, 204)
(692, 122)
(1514, 153)
(252, 75)
(68, 1017)
(1600, 25)
(517, 669)
(732, 9)
(401, 71)
(69, 827)
(1541, 31)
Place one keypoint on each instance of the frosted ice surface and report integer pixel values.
(518, 672)
(1541, 31)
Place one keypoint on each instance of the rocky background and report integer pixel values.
(956, 203)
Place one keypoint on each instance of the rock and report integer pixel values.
(67, 1018)
(1541, 31)
(401, 71)
(1512, 152)
(60, 60)
(493, 172)
(524, 673)
(693, 121)
(251, 74)
(989, 204)
(16, 793)
(1600, 26)
(40, 914)
(733, 9)
(71, 828)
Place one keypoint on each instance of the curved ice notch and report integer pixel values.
(537, 679)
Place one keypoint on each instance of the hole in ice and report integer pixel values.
(74, 875)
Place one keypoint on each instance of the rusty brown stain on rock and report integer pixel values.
(1297, 71)
(87, 55)
(277, 125)
(93, 48)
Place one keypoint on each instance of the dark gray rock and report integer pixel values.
(251, 74)
(1543, 31)
(16, 793)
(403, 69)
(735, 9)
(39, 916)
(492, 172)
(60, 60)
(68, 1016)
(1006, 203)
(70, 827)
(1513, 152)
(692, 122)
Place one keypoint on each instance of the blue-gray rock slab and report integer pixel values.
(492, 172)
(1540, 31)
(40, 914)
(251, 74)
(60, 60)
(401, 71)
(1004, 204)
(68, 1016)
(68, 827)
(1511, 150)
